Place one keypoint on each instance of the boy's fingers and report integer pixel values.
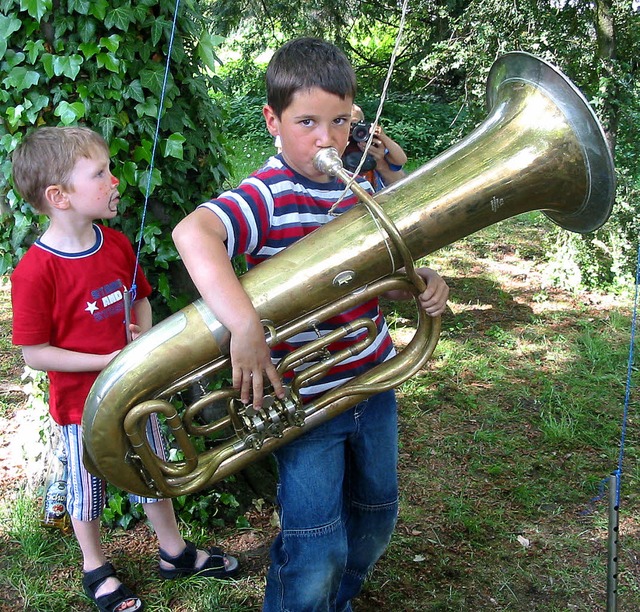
(275, 380)
(256, 383)
(251, 385)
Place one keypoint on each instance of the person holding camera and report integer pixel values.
(385, 158)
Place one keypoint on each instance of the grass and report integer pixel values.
(506, 437)
(509, 432)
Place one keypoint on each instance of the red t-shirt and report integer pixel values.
(74, 301)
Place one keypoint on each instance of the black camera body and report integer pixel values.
(352, 154)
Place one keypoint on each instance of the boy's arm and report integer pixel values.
(54, 359)
(143, 317)
(200, 240)
(396, 154)
(388, 175)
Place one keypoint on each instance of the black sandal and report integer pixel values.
(184, 564)
(110, 602)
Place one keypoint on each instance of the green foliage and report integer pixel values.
(245, 117)
(119, 511)
(103, 65)
(445, 53)
(422, 125)
(574, 37)
(208, 509)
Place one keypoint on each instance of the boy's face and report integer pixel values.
(314, 120)
(94, 191)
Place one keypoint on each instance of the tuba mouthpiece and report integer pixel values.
(328, 161)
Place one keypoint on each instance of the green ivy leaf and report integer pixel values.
(36, 8)
(173, 146)
(229, 500)
(206, 50)
(134, 91)
(20, 78)
(20, 228)
(8, 25)
(108, 61)
(107, 126)
(143, 152)
(150, 231)
(89, 49)
(157, 28)
(13, 59)
(87, 30)
(99, 8)
(37, 103)
(14, 115)
(6, 263)
(68, 66)
(47, 64)
(111, 43)
(119, 17)
(148, 107)
(80, 6)
(129, 172)
(116, 145)
(143, 181)
(33, 48)
(69, 113)
(153, 78)
(164, 288)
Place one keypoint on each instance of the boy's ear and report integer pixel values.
(56, 197)
(271, 120)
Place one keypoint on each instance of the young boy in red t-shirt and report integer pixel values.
(68, 315)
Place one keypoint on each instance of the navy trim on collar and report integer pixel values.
(81, 254)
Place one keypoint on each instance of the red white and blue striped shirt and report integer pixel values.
(274, 208)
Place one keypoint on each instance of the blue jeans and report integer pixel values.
(338, 497)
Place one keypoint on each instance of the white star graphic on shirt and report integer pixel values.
(91, 307)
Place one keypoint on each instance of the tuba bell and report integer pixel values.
(541, 147)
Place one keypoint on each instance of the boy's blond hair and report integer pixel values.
(47, 157)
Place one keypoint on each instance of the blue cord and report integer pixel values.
(153, 151)
(627, 394)
(623, 435)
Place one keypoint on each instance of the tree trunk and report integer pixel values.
(606, 38)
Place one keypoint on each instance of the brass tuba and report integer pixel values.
(540, 148)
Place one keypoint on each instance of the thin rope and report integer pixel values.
(627, 395)
(153, 150)
(383, 95)
(627, 398)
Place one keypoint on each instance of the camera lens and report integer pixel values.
(360, 132)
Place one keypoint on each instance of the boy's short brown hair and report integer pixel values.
(47, 157)
(304, 63)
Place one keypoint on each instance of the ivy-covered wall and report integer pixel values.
(103, 64)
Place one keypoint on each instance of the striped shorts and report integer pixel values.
(86, 493)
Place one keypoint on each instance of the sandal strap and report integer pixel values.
(185, 560)
(112, 601)
(216, 558)
(94, 578)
